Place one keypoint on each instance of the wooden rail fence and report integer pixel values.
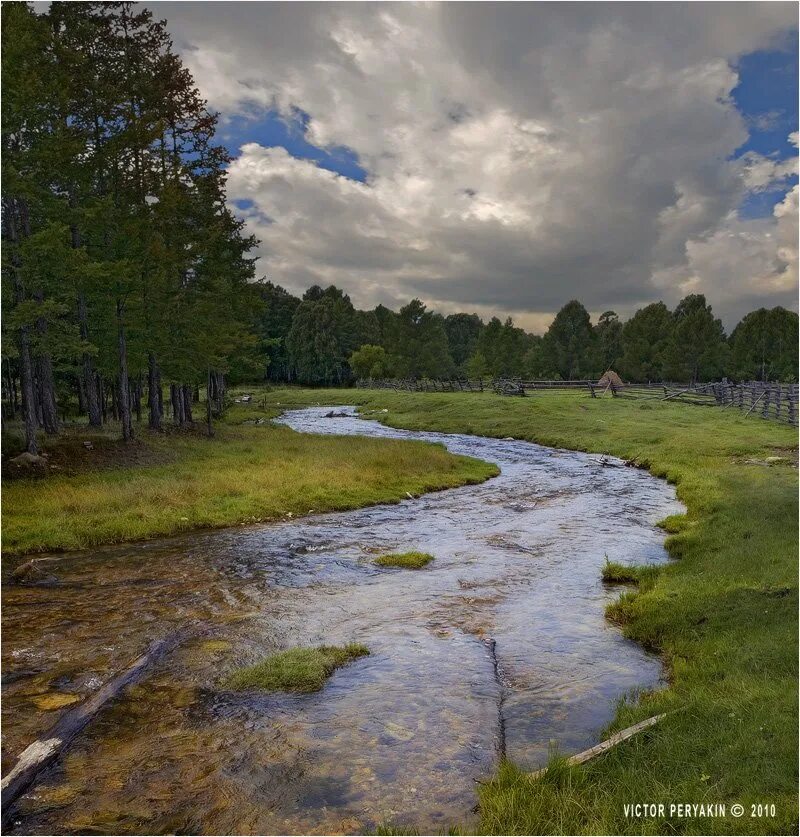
(424, 384)
(767, 400)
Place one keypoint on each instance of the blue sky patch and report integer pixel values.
(767, 96)
(762, 204)
(270, 129)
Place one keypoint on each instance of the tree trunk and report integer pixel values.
(209, 425)
(153, 392)
(136, 389)
(91, 390)
(178, 412)
(102, 395)
(187, 404)
(15, 217)
(14, 398)
(45, 750)
(124, 402)
(11, 390)
(81, 394)
(221, 391)
(28, 394)
(37, 407)
(47, 394)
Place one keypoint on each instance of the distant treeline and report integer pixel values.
(127, 279)
(322, 339)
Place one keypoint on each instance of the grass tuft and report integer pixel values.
(296, 670)
(405, 560)
(614, 573)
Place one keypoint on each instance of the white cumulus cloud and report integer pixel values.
(518, 155)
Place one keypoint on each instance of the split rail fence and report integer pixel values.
(766, 400)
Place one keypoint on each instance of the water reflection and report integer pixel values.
(401, 735)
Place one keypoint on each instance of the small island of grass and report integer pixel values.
(405, 560)
(296, 670)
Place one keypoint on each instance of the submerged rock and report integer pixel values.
(32, 572)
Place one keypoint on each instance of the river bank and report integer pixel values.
(723, 616)
(179, 482)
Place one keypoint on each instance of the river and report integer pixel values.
(499, 645)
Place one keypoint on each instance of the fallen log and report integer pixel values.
(45, 750)
(605, 746)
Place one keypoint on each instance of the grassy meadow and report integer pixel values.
(723, 615)
(176, 482)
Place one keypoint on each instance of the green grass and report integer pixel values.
(616, 573)
(296, 670)
(243, 475)
(723, 615)
(405, 560)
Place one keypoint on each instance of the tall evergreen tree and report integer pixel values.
(34, 144)
(418, 341)
(463, 331)
(322, 337)
(645, 340)
(697, 349)
(607, 342)
(272, 327)
(567, 345)
(764, 346)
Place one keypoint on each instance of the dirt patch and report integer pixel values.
(78, 454)
(790, 454)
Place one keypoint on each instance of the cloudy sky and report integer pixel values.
(505, 158)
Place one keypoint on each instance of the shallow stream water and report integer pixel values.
(500, 645)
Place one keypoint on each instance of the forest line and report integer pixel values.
(128, 280)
